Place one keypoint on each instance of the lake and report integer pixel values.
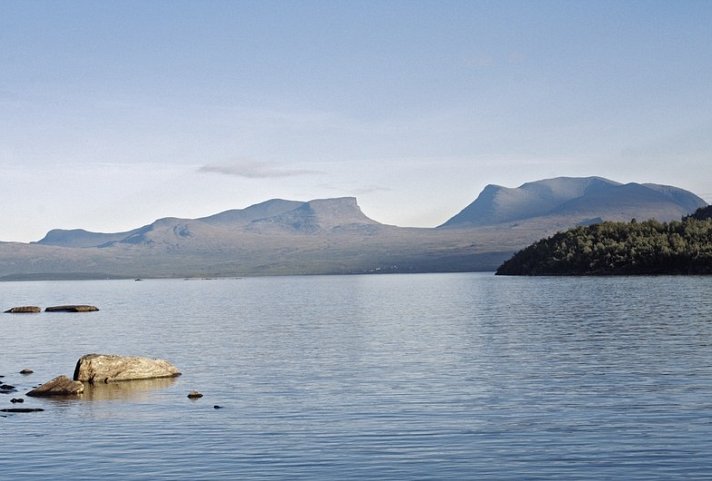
(401, 377)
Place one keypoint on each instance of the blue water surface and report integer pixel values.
(401, 377)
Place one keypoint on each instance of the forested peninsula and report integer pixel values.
(621, 248)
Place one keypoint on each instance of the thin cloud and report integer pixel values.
(254, 170)
(369, 189)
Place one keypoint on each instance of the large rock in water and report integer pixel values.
(72, 308)
(59, 386)
(108, 368)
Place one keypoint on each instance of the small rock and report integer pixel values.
(6, 388)
(26, 371)
(194, 395)
(23, 310)
(59, 386)
(17, 400)
(72, 308)
(217, 407)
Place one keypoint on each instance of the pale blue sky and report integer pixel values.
(113, 114)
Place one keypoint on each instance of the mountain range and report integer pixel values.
(333, 236)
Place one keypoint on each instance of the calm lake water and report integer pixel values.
(403, 377)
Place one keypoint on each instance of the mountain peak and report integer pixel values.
(317, 215)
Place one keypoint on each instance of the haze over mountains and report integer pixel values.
(333, 236)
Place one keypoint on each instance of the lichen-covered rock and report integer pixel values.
(109, 368)
(23, 310)
(59, 386)
(72, 308)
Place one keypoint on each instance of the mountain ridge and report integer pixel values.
(334, 236)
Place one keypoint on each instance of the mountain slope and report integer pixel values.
(262, 210)
(80, 238)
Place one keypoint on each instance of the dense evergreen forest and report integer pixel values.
(621, 248)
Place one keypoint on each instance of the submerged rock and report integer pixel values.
(109, 367)
(59, 386)
(23, 310)
(72, 308)
(194, 395)
(26, 371)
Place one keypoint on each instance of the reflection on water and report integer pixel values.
(125, 390)
(133, 391)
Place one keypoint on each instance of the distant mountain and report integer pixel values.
(270, 216)
(574, 201)
(333, 236)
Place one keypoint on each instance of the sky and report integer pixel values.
(114, 114)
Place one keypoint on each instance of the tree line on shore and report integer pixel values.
(621, 248)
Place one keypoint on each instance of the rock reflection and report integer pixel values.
(125, 390)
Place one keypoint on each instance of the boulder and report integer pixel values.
(23, 310)
(109, 368)
(72, 308)
(194, 395)
(59, 386)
